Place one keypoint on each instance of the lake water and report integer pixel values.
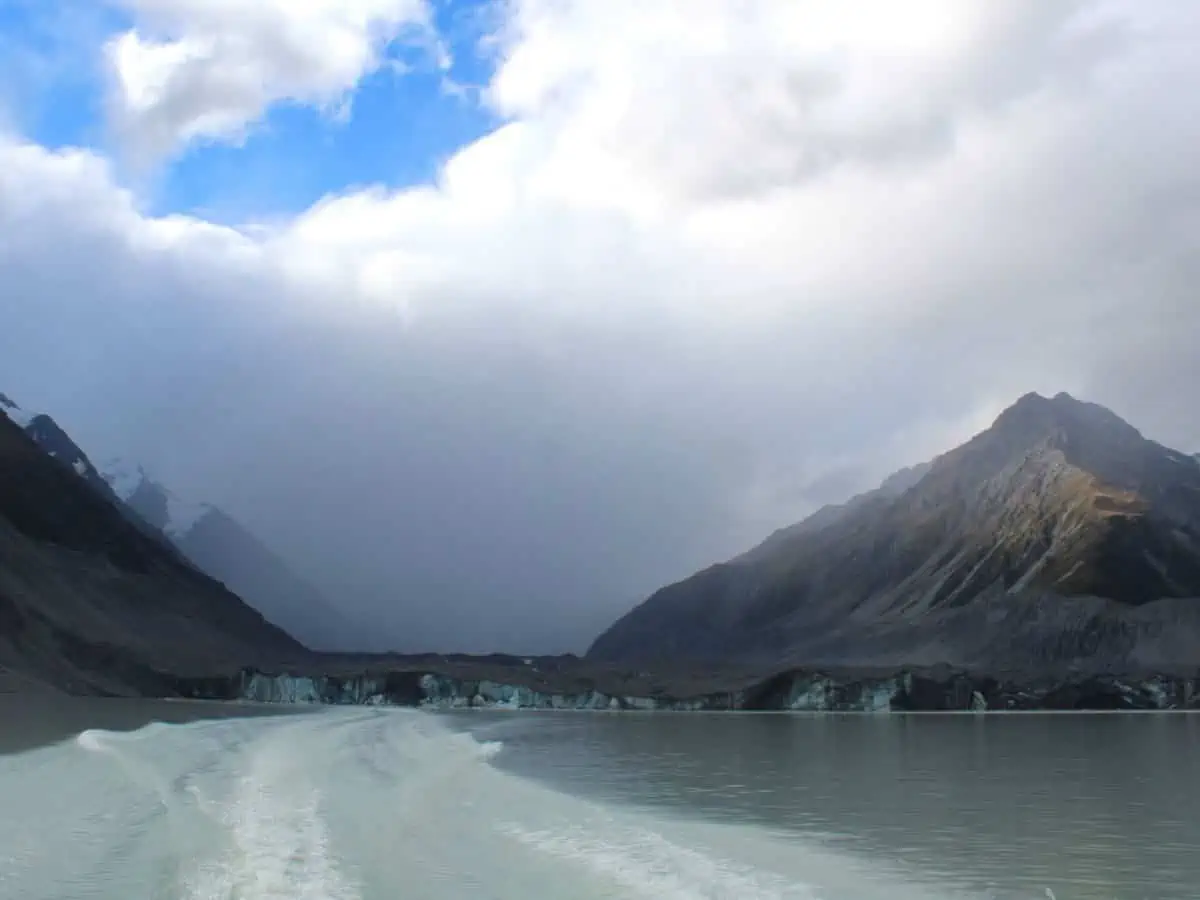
(376, 804)
(1102, 807)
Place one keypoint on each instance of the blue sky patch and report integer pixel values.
(404, 119)
(401, 127)
(52, 69)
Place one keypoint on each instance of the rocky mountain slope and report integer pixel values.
(227, 551)
(90, 603)
(201, 534)
(59, 446)
(1059, 537)
(222, 547)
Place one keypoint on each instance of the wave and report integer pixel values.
(649, 865)
(366, 805)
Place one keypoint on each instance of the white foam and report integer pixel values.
(490, 749)
(279, 848)
(652, 866)
(357, 804)
(92, 740)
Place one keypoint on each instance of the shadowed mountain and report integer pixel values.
(90, 603)
(226, 550)
(201, 535)
(59, 446)
(1057, 536)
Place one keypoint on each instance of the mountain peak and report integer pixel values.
(1061, 404)
(159, 506)
(19, 416)
(1060, 504)
(123, 476)
(1064, 419)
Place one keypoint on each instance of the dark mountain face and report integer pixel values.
(1059, 499)
(223, 548)
(59, 446)
(91, 603)
(199, 535)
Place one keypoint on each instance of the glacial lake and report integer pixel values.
(362, 803)
(1076, 806)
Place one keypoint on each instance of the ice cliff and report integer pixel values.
(790, 691)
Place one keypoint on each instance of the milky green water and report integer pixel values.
(1083, 807)
(375, 804)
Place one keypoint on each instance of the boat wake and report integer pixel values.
(362, 805)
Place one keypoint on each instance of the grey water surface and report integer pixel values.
(362, 803)
(1075, 806)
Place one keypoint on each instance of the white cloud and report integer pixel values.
(720, 254)
(208, 69)
(715, 99)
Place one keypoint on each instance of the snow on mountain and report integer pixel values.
(19, 416)
(164, 508)
(183, 515)
(223, 548)
(123, 477)
(201, 534)
(44, 431)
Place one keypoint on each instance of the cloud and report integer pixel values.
(206, 70)
(763, 95)
(722, 262)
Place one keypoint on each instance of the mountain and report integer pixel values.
(200, 535)
(59, 446)
(1059, 536)
(223, 548)
(91, 603)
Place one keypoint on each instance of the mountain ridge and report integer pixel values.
(92, 604)
(54, 441)
(224, 548)
(198, 534)
(1058, 498)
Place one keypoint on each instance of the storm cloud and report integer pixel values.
(720, 263)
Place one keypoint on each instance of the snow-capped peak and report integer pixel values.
(126, 478)
(183, 515)
(123, 477)
(19, 416)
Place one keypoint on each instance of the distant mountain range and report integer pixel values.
(1057, 542)
(221, 546)
(1057, 537)
(92, 602)
(204, 535)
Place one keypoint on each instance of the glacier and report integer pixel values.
(794, 691)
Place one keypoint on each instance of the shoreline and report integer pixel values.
(33, 715)
(36, 719)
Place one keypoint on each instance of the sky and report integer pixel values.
(493, 317)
